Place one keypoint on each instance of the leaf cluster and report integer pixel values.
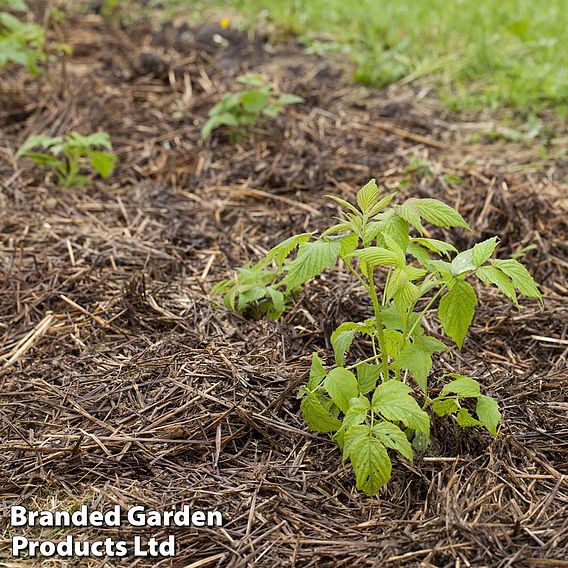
(21, 43)
(245, 108)
(381, 403)
(65, 155)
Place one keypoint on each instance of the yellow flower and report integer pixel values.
(225, 23)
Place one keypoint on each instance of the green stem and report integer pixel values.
(380, 330)
(423, 312)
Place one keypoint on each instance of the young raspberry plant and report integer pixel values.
(21, 43)
(245, 108)
(382, 402)
(66, 155)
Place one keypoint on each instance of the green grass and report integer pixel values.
(478, 53)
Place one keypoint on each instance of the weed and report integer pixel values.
(65, 155)
(371, 406)
(245, 108)
(21, 43)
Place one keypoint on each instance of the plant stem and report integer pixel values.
(423, 312)
(380, 330)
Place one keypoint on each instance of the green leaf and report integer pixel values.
(439, 247)
(410, 213)
(438, 213)
(492, 275)
(381, 205)
(102, 162)
(279, 253)
(520, 276)
(357, 412)
(316, 416)
(463, 262)
(367, 377)
(443, 407)
(313, 258)
(289, 99)
(341, 385)
(40, 140)
(367, 196)
(401, 290)
(370, 460)
(462, 386)
(465, 419)
(317, 372)
(278, 303)
(377, 256)
(416, 358)
(254, 101)
(17, 5)
(393, 437)
(348, 244)
(456, 310)
(482, 251)
(343, 336)
(391, 224)
(487, 411)
(393, 401)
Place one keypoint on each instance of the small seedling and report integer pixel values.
(383, 401)
(66, 155)
(21, 43)
(239, 110)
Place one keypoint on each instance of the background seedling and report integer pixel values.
(381, 402)
(65, 155)
(239, 110)
(21, 43)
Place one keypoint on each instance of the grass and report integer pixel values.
(478, 53)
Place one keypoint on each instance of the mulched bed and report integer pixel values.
(121, 382)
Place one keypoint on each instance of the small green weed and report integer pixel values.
(65, 155)
(21, 43)
(245, 108)
(384, 402)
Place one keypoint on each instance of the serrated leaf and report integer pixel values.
(401, 290)
(462, 386)
(465, 419)
(369, 458)
(348, 244)
(103, 163)
(377, 256)
(357, 412)
(487, 411)
(316, 416)
(520, 276)
(341, 340)
(463, 262)
(381, 205)
(393, 401)
(343, 203)
(482, 251)
(367, 377)
(443, 407)
(313, 258)
(317, 372)
(456, 310)
(435, 245)
(391, 224)
(438, 213)
(367, 196)
(341, 386)
(416, 358)
(393, 437)
(279, 253)
(409, 212)
(278, 303)
(492, 275)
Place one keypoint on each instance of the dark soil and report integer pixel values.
(120, 381)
